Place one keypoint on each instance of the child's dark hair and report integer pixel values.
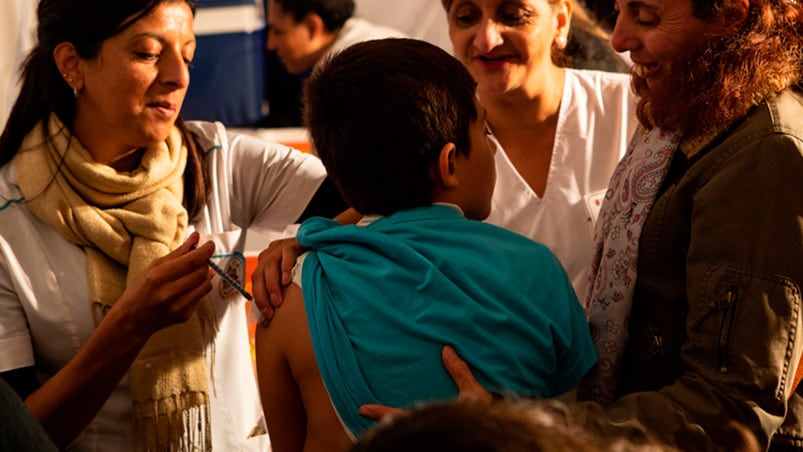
(379, 114)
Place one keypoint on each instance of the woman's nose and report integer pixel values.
(488, 36)
(622, 38)
(175, 70)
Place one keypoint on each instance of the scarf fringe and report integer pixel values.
(162, 425)
(209, 329)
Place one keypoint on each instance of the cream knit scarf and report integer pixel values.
(124, 221)
(631, 194)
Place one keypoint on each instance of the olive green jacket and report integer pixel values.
(716, 329)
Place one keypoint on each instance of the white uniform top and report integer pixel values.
(595, 122)
(45, 315)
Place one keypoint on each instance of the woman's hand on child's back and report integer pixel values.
(468, 387)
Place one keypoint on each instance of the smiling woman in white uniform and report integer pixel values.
(561, 131)
(112, 326)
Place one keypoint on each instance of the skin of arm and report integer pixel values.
(166, 293)
(297, 408)
(275, 264)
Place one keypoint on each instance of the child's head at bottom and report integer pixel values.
(397, 124)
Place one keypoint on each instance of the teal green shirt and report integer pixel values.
(383, 299)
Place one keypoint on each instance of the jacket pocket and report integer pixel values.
(745, 334)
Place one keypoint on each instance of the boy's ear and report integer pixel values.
(447, 165)
(314, 25)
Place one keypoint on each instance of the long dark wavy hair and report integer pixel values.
(86, 24)
(731, 74)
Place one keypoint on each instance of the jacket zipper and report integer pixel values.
(726, 327)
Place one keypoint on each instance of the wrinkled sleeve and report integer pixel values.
(271, 183)
(16, 349)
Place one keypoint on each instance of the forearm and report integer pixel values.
(71, 399)
(687, 415)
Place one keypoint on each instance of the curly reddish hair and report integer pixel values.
(733, 73)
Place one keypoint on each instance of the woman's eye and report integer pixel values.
(646, 23)
(514, 17)
(465, 16)
(646, 18)
(511, 19)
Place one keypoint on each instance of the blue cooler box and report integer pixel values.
(227, 73)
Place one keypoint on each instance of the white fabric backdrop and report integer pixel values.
(17, 35)
(422, 19)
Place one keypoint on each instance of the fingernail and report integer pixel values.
(449, 353)
(274, 298)
(266, 315)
